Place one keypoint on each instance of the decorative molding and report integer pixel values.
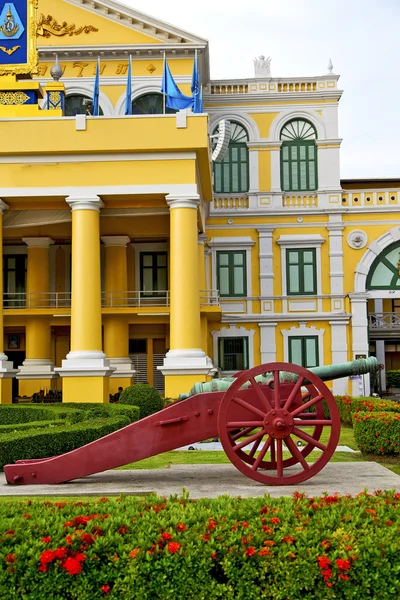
(13, 98)
(115, 240)
(84, 203)
(9, 51)
(234, 331)
(48, 26)
(357, 239)
(303, 330)
(182, 201)
(262, 67)
(363, 267)
(38, 242)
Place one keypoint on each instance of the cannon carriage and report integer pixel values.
(260, 416)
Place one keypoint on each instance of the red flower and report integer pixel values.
(173, 547)
(245, 524)
(181, 527)
(72, 566)
(269, 543)
(122, 530)
(323, 562)
(133, 553)
(250, 551)
(69, 540)
(211, 524)
(60, 553)
(43, 569)
(288, 540)
(47, 557)
(10, 532)
(10, 558)
(344, 577)
(389, 523)
(264, 552)
(326, 544)
(267, 529)
(27, 516)
(327, 574)
(46, 539)
(166, 536)
(214, 555)
(275, 520)
(377, 434)
(152, 549)
(264, 510)
(233, 528)
(343, 564)
(206, 537)
(105, 588)
(88, 539)
(244, 541)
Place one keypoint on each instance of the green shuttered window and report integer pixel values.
(298, 157)
(301, 272)
(231, 273)
(232, 174)
(233, 353)
(303, 351)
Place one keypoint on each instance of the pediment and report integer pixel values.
(71, 23)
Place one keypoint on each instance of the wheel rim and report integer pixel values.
(258, 425)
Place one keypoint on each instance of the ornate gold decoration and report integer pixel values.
(55, 97)
(151, 69)
(13, 98)
(31, 65)
(10, 51)
(9, 27)
(48, 26)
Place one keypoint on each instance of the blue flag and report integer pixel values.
(174, 97)
(196, 91)
(96, 91)
(128, 101)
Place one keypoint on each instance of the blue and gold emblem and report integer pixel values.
(18, 52)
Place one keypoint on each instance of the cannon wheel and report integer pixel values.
(278, 419)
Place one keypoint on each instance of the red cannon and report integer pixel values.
(260, 419)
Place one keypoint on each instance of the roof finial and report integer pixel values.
(330, 67)
(56, 70)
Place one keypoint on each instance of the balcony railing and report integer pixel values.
(124, 299)
(384, 320)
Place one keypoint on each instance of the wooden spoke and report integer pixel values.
(279, 458)
(307, 438)
(307, 415)
(248, 406)
(296, 453)
(248, 441)
(255, 447)
(242, 433)
(294, 393)
(273, 458)
(277, 389)
(262, 453)
(260, 395)
(311, 422)
(237, 424)
(308, 404)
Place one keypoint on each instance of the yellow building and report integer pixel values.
(129, 255)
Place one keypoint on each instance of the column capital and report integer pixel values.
(38, 242)
(115, 240)
(85, 202)
(183, 201)
(3, 207)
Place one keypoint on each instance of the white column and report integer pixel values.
(360, 345)
(380, 345)
(276, 168)
(266, 267)
(267, 342)
(339, 353)
(336, 272)
(253, 171)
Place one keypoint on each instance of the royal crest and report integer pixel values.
(10, 23)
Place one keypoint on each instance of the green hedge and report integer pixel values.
(32, 425)
(143, 395)
(377, 433)
(289, 548)
(10, 413)
(39, 443)
(393, 379)
(348, 406)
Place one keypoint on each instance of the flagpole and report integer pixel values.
(164, 92)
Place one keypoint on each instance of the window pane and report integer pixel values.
(311, 172)
(294, 153)
(224, 281)
(226, 178)
(11, 263)
(382, 276)
(147, 280)
(162, 260)
(286, 183)
(243, 178)
(311, 352)
(295, 351)
(311, 152)
(308, 257)
(294, 282)
(303, 175)
(223, 258)
(293, 257)
(243, 154)
(234, 154)
(309, 279)
(238, 259)
(285, 152)
(147, 260)
(217, 178)
(295, 185)
(11, 282)
(238, 280)
(302, 151)
(162, 279)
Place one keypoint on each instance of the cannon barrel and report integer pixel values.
(354, 367)
(360, 366)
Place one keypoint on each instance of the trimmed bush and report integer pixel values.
(228, 548)
(348, 406)
(145, 396)
(39, 443)
(393, 379)
(32, 425)
(95, 410)
(10, 413)
(377, 433)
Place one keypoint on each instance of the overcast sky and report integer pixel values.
(362, 37)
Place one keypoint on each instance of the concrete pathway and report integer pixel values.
(210, 481)
(214, 446)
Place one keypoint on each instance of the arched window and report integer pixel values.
(298, 157)
(79, 104)
(150, 104)
(232, 174)
(384, 273)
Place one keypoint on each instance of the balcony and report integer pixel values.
(384, 325)
(115, 300)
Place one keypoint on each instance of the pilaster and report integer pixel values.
(360, 343)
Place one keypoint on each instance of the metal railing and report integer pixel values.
(123, 299)
(384, 320)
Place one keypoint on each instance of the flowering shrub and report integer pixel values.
(231, 548)
(377, 433)
(348, 406)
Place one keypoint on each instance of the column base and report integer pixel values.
(35, 375)
(7, 372)
(123, 374)
(85, 377)
(182, 369)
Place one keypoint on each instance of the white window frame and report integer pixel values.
(230, 332)
(150, 247)
(303, 331)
